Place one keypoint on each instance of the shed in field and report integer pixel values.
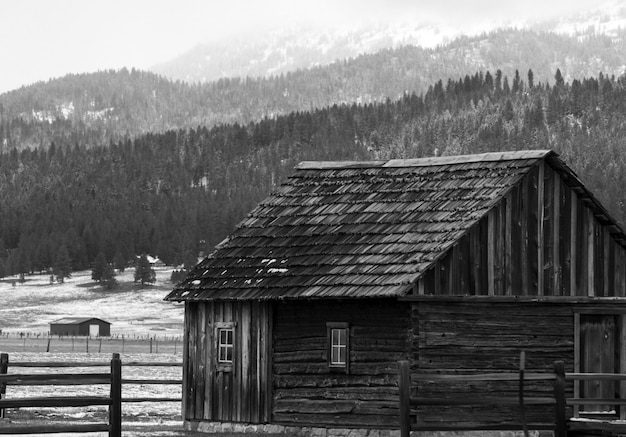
(453, 263)
(87, 326)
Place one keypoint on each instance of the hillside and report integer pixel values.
(101, 108)
(183, 191)
(292, 48)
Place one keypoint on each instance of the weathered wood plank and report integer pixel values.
(541, 205)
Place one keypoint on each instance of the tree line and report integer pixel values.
(177, 194)
(112, 106)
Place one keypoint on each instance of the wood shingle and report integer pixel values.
(360, 229)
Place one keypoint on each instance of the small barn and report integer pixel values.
(456, 264)
(84, 326)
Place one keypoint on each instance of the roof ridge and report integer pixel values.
(428, 161)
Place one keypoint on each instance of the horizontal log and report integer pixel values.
(595, 401)
(51, 428)
(61, 401)
(596, 376)
(308, 406)
(57, 379)
(474, 426)
(325, 380)
(340, 393)
(483, 377)
(473, 400)
(338, 420)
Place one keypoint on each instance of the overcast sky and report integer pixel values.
(40, 39)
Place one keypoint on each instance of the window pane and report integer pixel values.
(342, 336)
(334, 355)
(225, 345)
(342, 355)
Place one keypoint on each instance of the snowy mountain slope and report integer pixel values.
(290, 49)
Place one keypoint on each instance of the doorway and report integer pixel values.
(599, 351)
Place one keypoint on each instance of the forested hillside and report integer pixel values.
(183, 191)
(97, 109)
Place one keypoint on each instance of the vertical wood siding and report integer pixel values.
(542, 239)
(479, 337)
(242, 394)
(307, 393)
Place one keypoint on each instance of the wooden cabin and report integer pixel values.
(453, 263)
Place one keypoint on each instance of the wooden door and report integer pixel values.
(599, 353)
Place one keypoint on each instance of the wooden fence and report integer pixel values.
(559, 401)
(114, 400)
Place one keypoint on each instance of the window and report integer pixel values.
(338, 346)
(225, 345)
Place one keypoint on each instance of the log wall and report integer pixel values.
(306, 392)
(484, 337)
(542, 239)
(241, 393)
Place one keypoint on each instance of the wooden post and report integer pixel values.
(115, 410)
(560, 429)
(404, 386)
(522, 365)
(4, 367)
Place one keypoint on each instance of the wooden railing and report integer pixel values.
(114, 401)
(558, 400)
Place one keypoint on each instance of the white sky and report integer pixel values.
(40, 39)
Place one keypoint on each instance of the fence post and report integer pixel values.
(115, 410)
(4, 368)
(404, 385)
(559, 393)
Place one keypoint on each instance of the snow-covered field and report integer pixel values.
(131, 309)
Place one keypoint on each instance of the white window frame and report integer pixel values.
(335, 346)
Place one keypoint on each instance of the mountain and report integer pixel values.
(290, 49)
(295, 48)
(104, 107)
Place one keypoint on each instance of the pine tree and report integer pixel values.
(558, 77)
(190, 261)
(144, 272)
(62, 267)
(99, 265)
(531, 79)
(108, 277)
(119, 262)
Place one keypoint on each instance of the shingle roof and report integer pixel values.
(364, 229)
(357, 229)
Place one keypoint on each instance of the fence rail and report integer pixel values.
(114, 401)
(560, 425)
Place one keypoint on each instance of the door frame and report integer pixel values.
(621, 333)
